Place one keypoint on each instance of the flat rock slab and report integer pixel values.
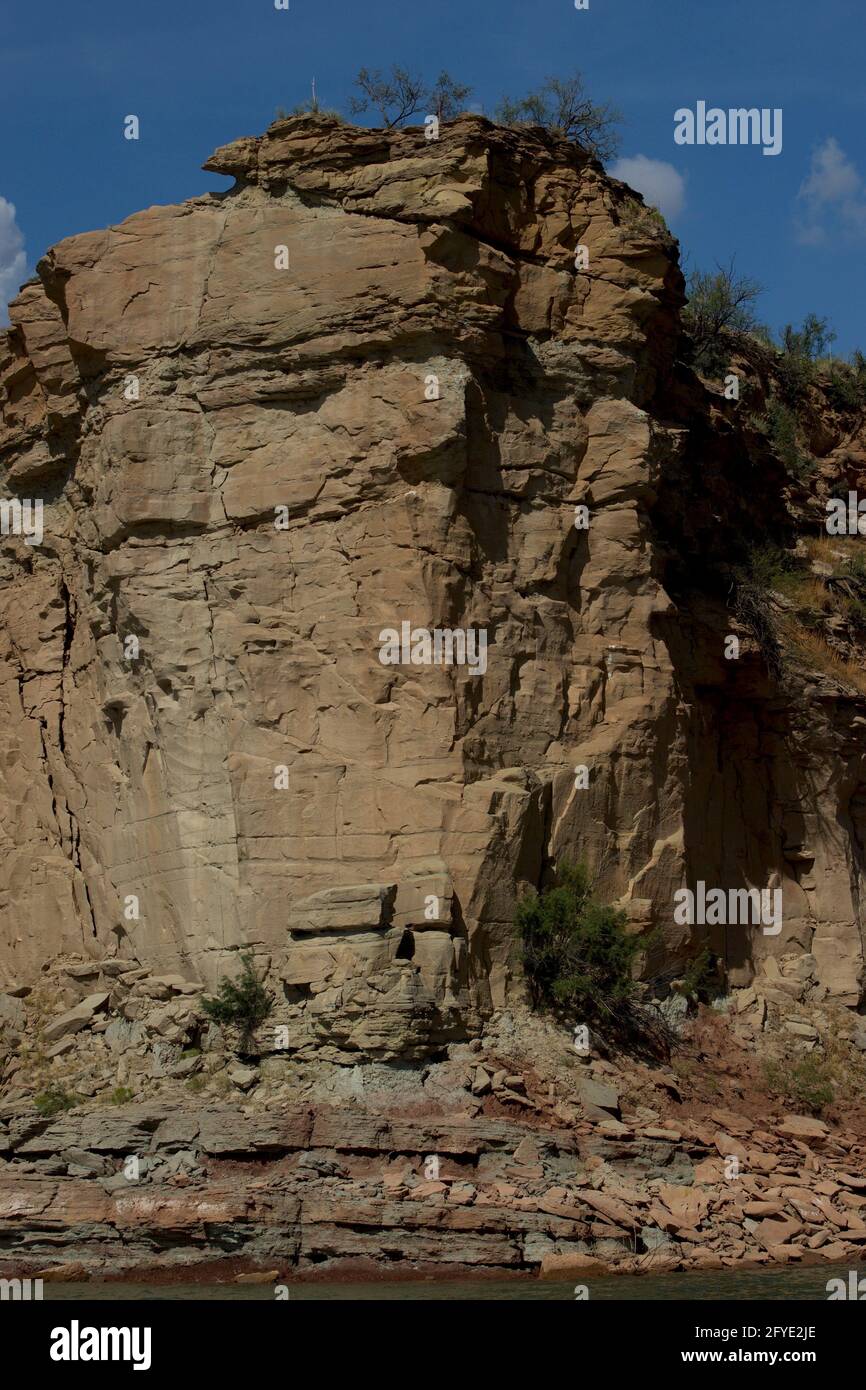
(802, 1127)
(75, 1019)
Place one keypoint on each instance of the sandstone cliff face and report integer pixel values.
(254, 774)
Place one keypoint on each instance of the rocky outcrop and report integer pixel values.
(372, 385)
(509, 1158)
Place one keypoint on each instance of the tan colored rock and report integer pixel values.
(802, 1127)
(834, 1252)
(687, 1205)
(858, 1183)
(616, 1211)
(756, 1209)
(774, 1233)
(762, 1162)
(356, 907)
(70, 1272)
(564, 1267)
(395, 428)
(785, 1254)
(729, 1147)
(709, 1171)
(75, 1019)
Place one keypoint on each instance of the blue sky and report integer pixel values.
(199, 73)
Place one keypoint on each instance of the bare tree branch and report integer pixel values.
(396, 98)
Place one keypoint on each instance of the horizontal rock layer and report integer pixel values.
(318, 1190)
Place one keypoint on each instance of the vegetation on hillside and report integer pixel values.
(243, 1004)
(806, 604)
(805, 1084)
(399, 96)
(578, 960)
(702, 981)
(719, 318)
(560, 105)
(54, 1100)
(719, 302)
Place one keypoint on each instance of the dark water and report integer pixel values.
(787, 1285)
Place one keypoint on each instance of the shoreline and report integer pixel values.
(493, 1164)
(236, 1274)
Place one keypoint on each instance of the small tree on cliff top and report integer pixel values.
(719, 302)
(447, 98)
(396, 98)
(563, 106)
(402, 95)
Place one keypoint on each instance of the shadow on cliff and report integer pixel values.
(748, 800)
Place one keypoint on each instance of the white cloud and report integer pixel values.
(832, 197)
(832, 176)
(13, 257)
(660, 183)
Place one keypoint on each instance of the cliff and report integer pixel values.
(370, 385)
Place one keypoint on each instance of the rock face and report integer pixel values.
(367, 386)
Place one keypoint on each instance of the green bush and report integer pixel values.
(53, 1100)
(402, 94)
(309, 108)
(751, 603)
(701, 980)
(780, 422)
(766, 568)
(800, 350)
(447, 98)
(640, 221)
(762, 334)
(857, 566)
(120, 1095)
(575, 952)
(844, 389)
(770, 565)
(806, 1084)
(810, 341)
(847, 386)
(244, 1004)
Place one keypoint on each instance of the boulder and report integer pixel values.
(598, 1099)
(774, 1232)
(802, 1127)
(75, 1019)
(564, 1268)
(354, 907)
